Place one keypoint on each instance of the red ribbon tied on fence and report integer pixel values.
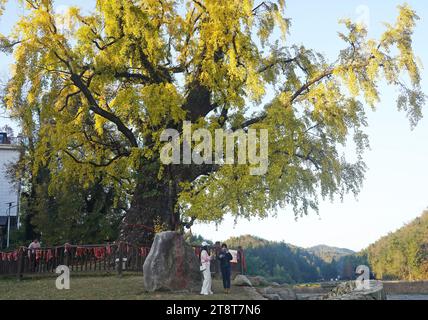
(99, 252)
(80, 251)
(10, 256)
(144, 251)
(49, 255)
(39, 254)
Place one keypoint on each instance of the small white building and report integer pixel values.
(9, 194)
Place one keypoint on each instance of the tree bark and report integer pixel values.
(154, 200)
(152, 207)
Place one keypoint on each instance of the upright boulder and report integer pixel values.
(171, 265)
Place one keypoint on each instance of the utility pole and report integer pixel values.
(8, 223)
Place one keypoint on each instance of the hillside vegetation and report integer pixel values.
(402, 254)
(328, 254)
(282, 262)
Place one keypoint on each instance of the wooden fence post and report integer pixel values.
(67, 249)
(20, 265)
(120, 258)
(124, 257)
(241, 259)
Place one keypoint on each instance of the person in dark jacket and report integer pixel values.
(225, 257)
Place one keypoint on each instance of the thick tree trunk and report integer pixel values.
(154, 201)
(152, 208)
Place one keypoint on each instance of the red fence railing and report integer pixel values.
(79, 258)
(89, 258)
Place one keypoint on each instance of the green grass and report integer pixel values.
(101, 287)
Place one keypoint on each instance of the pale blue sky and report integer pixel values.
(395, 190)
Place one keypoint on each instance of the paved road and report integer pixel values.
(408, 297)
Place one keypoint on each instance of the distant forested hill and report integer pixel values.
(402, 254)
(282, 262)
(328, 254)
(247, 241)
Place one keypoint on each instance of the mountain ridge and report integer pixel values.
(400, 255)
(328, 253)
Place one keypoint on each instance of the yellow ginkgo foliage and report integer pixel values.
(97, 92)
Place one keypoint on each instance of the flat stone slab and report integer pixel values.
(370, 290)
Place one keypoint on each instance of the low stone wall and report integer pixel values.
(389, 288)
(406, 287)
(349, 291)
(341, 291)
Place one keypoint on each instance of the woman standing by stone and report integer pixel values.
(205, 268)
(225, 257)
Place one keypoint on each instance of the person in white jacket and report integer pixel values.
(205, 267)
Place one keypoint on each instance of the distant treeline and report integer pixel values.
(401, 255)
(282, 262)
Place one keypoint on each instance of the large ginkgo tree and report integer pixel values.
(99, 88)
